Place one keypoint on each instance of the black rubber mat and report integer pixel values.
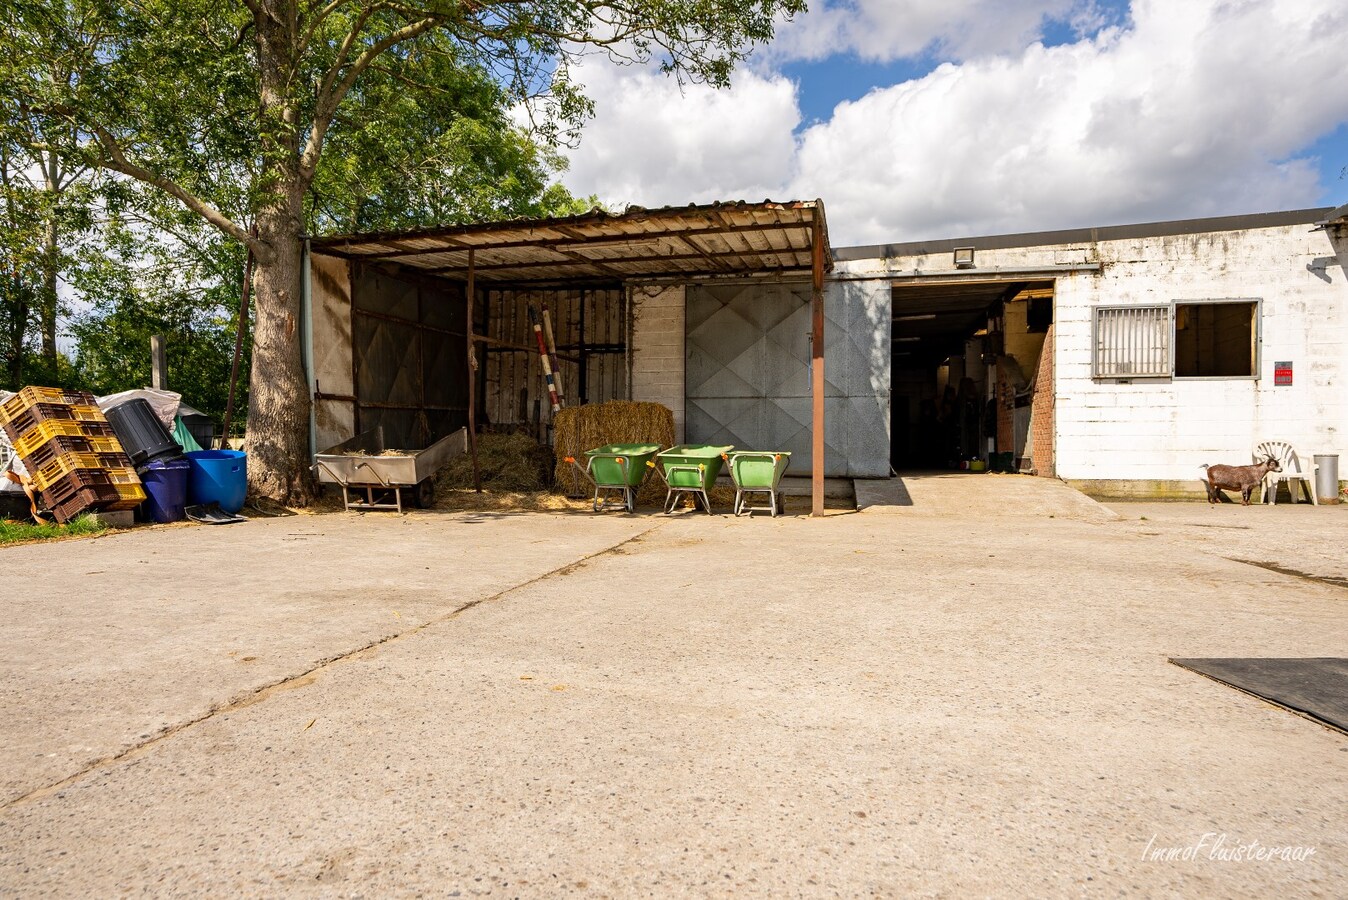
(1316, 687)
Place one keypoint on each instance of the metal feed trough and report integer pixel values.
(616, 468)
(755, 471)
(364, 464)
(689, 470)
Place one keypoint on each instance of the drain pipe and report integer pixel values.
(307, 348)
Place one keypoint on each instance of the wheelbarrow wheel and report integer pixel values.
(423, 495)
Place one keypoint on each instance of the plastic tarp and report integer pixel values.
(164, 403)
(8, 458)
(183, 436)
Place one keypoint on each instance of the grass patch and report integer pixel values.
(24, 532)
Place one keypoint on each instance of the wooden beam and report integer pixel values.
(518, 348)
(817, 371)
(158, 364)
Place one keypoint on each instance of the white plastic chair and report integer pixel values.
(1293, 469)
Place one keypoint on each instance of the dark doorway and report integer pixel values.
(950, 354)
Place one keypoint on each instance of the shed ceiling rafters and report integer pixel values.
(719, 239)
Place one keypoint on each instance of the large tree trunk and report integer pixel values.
(278, 399)
(278, 396)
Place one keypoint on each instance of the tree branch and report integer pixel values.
(116, 160)
(330, 98)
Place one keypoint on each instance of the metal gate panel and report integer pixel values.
(747, 373)
(747, 368)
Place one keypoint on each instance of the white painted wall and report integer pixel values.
(1163, 430)
(657, 348)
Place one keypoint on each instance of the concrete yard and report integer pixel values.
(962, 689)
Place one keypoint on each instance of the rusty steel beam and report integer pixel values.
(626, 238)
(572, 261)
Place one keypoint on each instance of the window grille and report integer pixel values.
(1133, 342)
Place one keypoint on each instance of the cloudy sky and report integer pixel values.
(946, 118)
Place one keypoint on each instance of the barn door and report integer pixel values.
(747, 368)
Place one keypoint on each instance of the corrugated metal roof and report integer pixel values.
(693, 241)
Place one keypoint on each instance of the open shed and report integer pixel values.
(426, 331)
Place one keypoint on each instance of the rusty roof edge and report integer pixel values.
(1338, 216)
(632, 213)
(821, 222)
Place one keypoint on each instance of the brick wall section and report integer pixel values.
(657, 344)
(1044, 401)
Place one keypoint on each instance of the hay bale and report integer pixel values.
(508, 462)
(580, 428)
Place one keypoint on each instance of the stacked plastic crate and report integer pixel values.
(72, 455)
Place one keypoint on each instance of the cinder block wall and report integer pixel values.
(657, 351)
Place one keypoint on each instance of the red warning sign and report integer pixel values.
(1282, 373)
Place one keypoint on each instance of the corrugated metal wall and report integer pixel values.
(748, 372)
(587, 323)
(408, 356)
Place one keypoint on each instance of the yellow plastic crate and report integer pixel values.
(42, 432)
(33, 394)
(28, 444)
(131, 496)
(66, 463)
(87, 412)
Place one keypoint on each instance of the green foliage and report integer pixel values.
(26, 532)
(160, 271)
(443, 154)
(265, 119)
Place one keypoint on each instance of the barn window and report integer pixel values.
(1132, 342)
(1216, 339)
(1190, 339)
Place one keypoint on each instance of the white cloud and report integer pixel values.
(1193, 112)
(884, 30)
(1196, 108)
(653, 145)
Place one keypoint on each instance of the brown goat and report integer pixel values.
(1236, 478)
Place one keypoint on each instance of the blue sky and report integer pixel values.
(940, 118)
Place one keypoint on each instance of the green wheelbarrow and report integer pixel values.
(689, 470)
(757, 472)
(616, 469)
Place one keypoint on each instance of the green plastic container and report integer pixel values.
(617, 468)
(692, 465)
(620, 465)
(758, 471)
(754, 471)
(690, 470)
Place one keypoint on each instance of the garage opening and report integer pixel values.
(971, 370)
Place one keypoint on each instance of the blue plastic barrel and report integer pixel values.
(165, 482)
(218, 476)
